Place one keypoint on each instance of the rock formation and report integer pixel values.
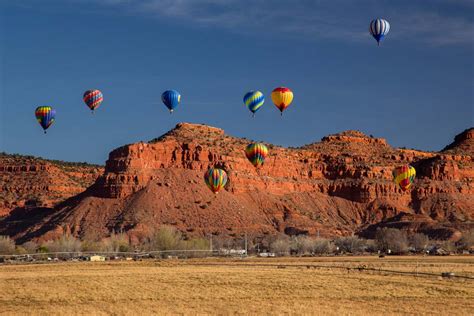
(27, 181)
(338, 186)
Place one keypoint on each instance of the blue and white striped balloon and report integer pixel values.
(379, 28)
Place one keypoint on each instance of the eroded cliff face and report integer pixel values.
(338, 186)
(34, 182)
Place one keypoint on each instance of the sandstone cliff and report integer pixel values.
(338, 186)
(35, 182)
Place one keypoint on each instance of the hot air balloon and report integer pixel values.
(404, 176)
(45, 116)
(379, 28)
(282, 98)
(256, 154)
(171, 99)
(93, 98)
(215, 179)
(254, 100)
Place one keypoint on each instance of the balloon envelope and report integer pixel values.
(45, 116)
(171, 99)
(379, 28)
(404, 176)
(93, 98)
(254, 100)
(256, 154)
(215, 179)
(282, 98)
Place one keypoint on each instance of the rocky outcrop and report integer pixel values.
(31, 182)
(340, 185)
(463, 143)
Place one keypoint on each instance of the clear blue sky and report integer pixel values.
(416, 90)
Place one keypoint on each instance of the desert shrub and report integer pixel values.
(116, 243)
(302, 245)
(281, 246)
(65, 243)
(449, 246)
(351, 244)
(322, 246)
(30, 246)
(7, 245)
(92, 246)
(166, 238)
(467, 240)
(370, 246)
(419, 242)
(19, 250)
(391, 240)
(43, 249)
(197, 244)
(221, 242)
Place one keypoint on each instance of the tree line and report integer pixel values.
(168, 238)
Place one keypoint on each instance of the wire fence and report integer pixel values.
(347, 268)
(119, 253)
(220, 253)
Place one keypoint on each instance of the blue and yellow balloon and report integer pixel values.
(171, 99)
(254, 100)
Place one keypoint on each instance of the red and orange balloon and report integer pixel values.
(404, 176)
(282, 98)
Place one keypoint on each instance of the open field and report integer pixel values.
(243, 286)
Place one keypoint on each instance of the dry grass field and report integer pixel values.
(240, 286)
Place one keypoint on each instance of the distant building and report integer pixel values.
(266, 254)
(96, 258)
(232, 252)
(438, 251)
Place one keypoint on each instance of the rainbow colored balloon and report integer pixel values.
(215, 179)
(93, 98)
(45, 116)
(282, 98)
(254, 100)
(256, 154)
(404, 176)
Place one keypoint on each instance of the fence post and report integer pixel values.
(246, 254)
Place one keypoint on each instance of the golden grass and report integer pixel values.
(225, 286)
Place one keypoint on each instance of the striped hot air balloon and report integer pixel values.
(45, 116)
(256, 154)
(282, 98)
(215, 179)
(404, 176)
(254, 100)
(93, 98)
(379, 28)
(171, 99)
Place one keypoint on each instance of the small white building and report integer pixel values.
(96, 258)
